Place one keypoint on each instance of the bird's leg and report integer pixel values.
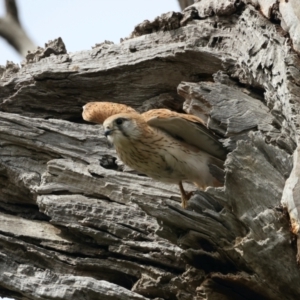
(184, 195)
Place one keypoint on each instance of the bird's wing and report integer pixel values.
(188, 128)
(98, 112)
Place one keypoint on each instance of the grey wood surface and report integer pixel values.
(75, 223)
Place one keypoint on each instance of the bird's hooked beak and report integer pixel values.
(107, 132)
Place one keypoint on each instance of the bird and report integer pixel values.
(165, 145)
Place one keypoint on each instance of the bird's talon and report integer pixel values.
(190, 194)
(186, 198)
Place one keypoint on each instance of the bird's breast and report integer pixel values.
(162, 158)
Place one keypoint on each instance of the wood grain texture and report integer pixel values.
(76, 224)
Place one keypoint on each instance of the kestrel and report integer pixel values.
(163, 144)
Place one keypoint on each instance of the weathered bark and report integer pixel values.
(76, 224)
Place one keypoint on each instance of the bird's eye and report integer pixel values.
(119, 121)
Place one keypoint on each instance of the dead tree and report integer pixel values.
(185, 3)
(75, 224)
(13, 32)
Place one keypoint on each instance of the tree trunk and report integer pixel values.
(76, 224)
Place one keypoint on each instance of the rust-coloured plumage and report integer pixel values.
(98, 112)
(165, 145)
(166, 114)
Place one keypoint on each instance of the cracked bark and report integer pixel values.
(76, 224)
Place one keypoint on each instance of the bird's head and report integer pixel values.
(123, 127)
